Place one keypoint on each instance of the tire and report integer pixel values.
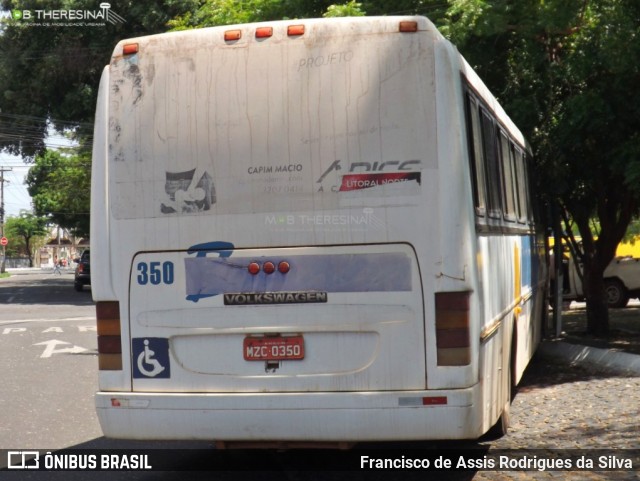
(78, 287)
(501, 427)
(616, 294)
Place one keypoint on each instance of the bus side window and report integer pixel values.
(517, 182)
(491, 165)
(521, 174)
(476, 155)
(508, 179)
(528, 176)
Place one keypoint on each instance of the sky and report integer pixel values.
(16, 197)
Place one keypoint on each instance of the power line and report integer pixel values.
(43, 119)
(34, 130)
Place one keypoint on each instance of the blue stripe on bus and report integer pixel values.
(224, 249)
(380, 272)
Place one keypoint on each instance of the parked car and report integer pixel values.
(83, 271)
(621, 281)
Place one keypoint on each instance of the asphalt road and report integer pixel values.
(48, 358)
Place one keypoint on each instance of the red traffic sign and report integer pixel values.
(4, 241)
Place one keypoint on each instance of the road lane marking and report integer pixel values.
(67, 319)
(50, 350)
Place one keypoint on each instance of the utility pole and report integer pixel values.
(2, 181)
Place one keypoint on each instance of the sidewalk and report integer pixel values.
(577, 354)
(17, 271)
(619, 352)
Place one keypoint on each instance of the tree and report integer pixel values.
(49, 75)
(598, 133)
(566, 72)
(59, 184)
(49, 78)
(226, 12)
(26, 228)
(350, 9)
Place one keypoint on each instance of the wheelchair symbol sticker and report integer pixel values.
(151, 358)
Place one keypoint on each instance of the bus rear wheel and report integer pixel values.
(501, 428)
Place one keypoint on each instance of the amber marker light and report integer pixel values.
(130, 48)
(409, 27)
(231, 35)
(264, 32)
(295, 30)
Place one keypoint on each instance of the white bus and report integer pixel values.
(308, 230)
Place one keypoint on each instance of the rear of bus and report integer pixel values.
(276, 254)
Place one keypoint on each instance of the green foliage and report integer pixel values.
(564, 70)
(228, 12)
(59, 184)
(632, 235)
(23, 233)
(567, 72)
(52, 73)
(49, 77)
(350, 9)
(433, 9)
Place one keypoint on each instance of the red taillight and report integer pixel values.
(80, 268)
(268, 267)
(453, 328)
(284, 267)
(109, 336)
(253, 268)
(434, 401)
(109, 345)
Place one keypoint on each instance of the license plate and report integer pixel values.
(284, 348)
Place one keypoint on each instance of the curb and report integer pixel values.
(621, 362)
(17, 271)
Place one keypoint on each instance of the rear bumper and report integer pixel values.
(82, 279)
(363, 416)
